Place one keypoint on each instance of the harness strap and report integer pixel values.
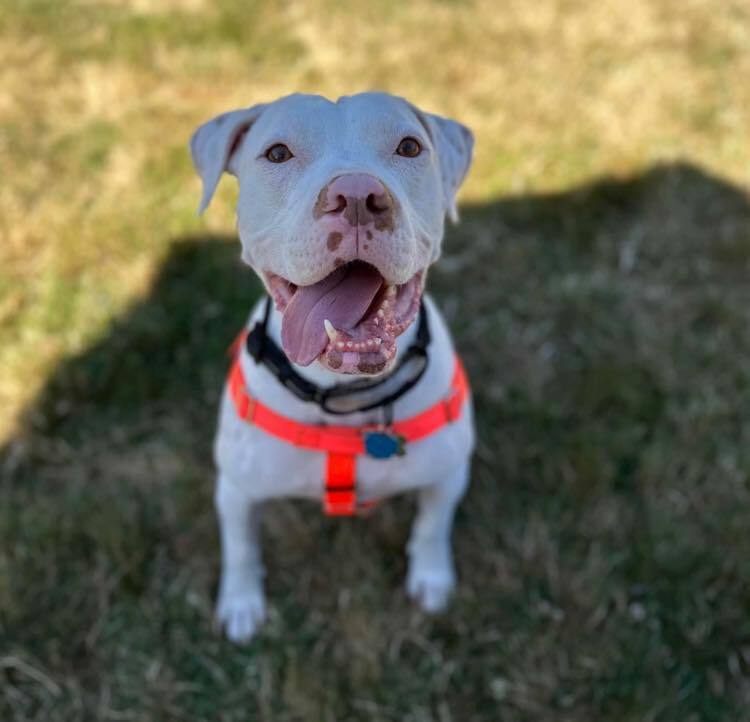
(343, 444)
(340, 497)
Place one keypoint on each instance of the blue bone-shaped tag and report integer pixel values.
(384, 445)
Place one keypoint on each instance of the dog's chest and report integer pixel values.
(268, 467)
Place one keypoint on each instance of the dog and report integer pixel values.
(341, 212)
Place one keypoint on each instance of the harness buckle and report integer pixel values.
(450, 406)
(249, 410)
(340, 498)
(340, 503)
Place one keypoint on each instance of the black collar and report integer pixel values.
(265, 351)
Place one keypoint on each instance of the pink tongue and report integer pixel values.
(343, 298)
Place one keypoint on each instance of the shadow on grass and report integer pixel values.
(602, 548)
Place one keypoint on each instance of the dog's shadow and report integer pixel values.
(594, 323)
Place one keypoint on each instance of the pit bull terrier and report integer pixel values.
(341, 212)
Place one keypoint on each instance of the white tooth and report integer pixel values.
(391, 291)
(384, 304)
(378, 341)
(377, 322)
(330, 330)
(381, 313)
(340, 344)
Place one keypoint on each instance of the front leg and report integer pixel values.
(431, 577)
(241, 607)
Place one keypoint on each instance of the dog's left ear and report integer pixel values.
(453, 144)
(213, 146)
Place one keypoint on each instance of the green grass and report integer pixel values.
(597, 288)
(602, 547)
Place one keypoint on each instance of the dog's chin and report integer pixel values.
(366, 343)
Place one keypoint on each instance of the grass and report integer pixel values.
(597, 287)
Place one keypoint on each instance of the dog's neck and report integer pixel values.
(321, 376)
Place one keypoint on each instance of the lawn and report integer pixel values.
(597, 287)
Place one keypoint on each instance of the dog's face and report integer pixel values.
(341, 211)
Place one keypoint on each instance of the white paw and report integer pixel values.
(241, 614)
(430, 586)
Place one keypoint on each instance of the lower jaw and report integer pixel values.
(348, 361)
(370, 348)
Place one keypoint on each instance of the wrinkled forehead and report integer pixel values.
(367, 117)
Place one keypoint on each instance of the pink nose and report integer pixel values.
(357, 197)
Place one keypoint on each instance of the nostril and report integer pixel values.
(340, 204)
(377, 203)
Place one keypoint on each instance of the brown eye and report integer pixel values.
(279, 153)
(409, 148)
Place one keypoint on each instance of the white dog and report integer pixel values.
(341, 212)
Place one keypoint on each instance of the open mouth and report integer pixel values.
(349, 320)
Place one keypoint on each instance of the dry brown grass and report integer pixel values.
(97, 100)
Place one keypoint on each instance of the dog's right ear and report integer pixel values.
(214, 143)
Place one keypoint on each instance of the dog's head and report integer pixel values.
(341, 210)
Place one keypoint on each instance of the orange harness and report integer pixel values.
(343, 444)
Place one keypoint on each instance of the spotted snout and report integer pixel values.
(358, 199)
(356, 214)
